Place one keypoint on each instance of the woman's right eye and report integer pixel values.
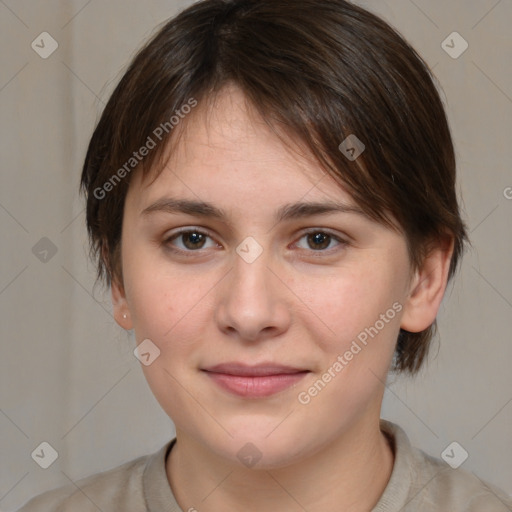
(191, 240)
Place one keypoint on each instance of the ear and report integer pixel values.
(427, 287)
(120, 305)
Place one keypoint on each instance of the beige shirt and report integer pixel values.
(418, 483)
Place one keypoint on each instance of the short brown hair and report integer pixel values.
(323, 70)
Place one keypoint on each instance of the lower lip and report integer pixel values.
(256, 387)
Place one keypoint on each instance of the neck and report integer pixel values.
(348, 474)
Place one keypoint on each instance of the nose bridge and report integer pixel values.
(251, 276)
(251, 300)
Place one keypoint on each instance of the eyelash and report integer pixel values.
(315, 253)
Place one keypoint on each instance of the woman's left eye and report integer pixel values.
(319, 240)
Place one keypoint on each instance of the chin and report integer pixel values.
(262, 455)
(260, 445)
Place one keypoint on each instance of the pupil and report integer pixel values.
(321, 239)
(193, 238)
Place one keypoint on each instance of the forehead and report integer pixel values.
(224, 149)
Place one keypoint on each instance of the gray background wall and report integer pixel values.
(67, 372)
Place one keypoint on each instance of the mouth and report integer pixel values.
(258, 381)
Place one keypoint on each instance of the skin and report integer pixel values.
(300, 303)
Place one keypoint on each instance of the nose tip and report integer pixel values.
(251, 304)
(250, 332)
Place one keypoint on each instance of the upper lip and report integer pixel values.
(259, 370)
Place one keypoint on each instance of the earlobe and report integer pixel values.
(120, 306)
(427, 288)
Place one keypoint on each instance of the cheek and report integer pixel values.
(162, 299)
(170, 317)
(166, 309)
(349, 304)
(172, 309)
(151, 305)
(362, 311)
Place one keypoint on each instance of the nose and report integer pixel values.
(253, 302)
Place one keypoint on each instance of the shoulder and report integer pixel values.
(461, 489)
(120, 488)
(435, 485)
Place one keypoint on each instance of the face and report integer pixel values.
(275, 324)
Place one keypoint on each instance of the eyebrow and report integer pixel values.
(286, 212)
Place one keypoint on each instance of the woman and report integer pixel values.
(271, 198)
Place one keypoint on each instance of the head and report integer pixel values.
(249, 107)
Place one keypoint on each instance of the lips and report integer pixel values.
(254, 381)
